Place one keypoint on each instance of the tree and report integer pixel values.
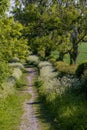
(64, 21)
(12, 43)
(74, 23)
(4, 5)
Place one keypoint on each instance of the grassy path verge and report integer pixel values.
(11, 111)
(11, 105)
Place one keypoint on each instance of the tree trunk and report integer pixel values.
(74, 54)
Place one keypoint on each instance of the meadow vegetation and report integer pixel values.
(11, 110)
(63, 96)
(33, 60)
(12, 98)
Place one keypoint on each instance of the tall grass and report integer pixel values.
(63, 97)
(11, 101)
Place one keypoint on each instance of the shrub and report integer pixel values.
(46, 71)
(52, 60)
(8, 85)
(65, 68)
(32, 59)
(5, 71)
(44, 64)
(17, 73)
(15, 60)
(16, 65)
(81, 69)
(19, 84)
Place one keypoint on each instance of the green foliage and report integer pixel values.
(33, 60)
(52, 26)
(21, 83)
(12, 43)
(63, 97)
(82, 54)
(4, 4)
(17, 73)
(45, 45)
(4, 72)
(81, 69)
(64, 67)
(16, 65)
(11, 101)
(52, 60)
(70, 111)
(15, 60)
(7, 85)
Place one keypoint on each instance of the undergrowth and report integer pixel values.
(63, 98)
(11, 100)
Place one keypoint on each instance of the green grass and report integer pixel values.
(11, 107)
(21, 84)
(82, 52)
(11, 111)
(71, 111)
(81, 57)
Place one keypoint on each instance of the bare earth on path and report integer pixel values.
(30, 119)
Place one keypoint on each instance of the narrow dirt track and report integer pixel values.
(30, 119)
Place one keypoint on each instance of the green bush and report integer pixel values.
(8, 85)
(65, 104)
(32, 60)
(5, 71)
(52, 60)
(65, 68)
(15, 60)
(16, 65)
(81, 69)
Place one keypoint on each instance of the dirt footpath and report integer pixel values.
(30, 119)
